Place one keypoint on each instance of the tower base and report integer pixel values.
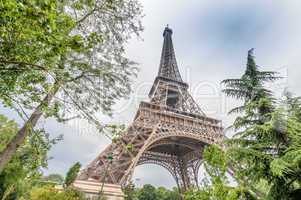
(93, 189)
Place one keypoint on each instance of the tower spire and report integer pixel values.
(168, 65)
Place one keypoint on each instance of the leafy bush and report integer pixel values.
(51, 193)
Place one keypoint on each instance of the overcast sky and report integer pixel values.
(211, 40)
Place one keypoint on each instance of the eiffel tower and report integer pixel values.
(169, 130)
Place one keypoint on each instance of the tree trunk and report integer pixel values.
(11, 148)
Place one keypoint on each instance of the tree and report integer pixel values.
(8, 129)
(164, 194)
(72, 174)
(148, 192)
(292, 104)
(217, 187)
(264, 154)
(64, 59)
(265, 146)
(50, 193)
(54, 178)
(269, 152)
(250, 87)
(23, 171)
(130, 192)
(175, 194)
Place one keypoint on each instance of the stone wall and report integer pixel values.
(93, 189)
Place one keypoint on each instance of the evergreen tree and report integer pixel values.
(250, 87)
(72, 174)
(264, 154)
(266, 144)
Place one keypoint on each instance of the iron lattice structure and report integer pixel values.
(170, 130)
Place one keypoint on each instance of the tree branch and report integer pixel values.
(22, 63)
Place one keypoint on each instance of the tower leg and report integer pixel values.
(194, 172)
(181, 174)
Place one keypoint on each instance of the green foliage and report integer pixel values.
(269, 151)
(33, 36)
(250, 87)
(72, 174)
(215, 161)
(197, 195)
(56, 179)
(114, 131)
(130, 192)
(51, 193)
(64, 59)
(165, 194)
(23, 171)
(149, 192)
(218, 191)
(8, 129)
(77, 45)
(266, 146)
(264, 153)
(217, 187)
